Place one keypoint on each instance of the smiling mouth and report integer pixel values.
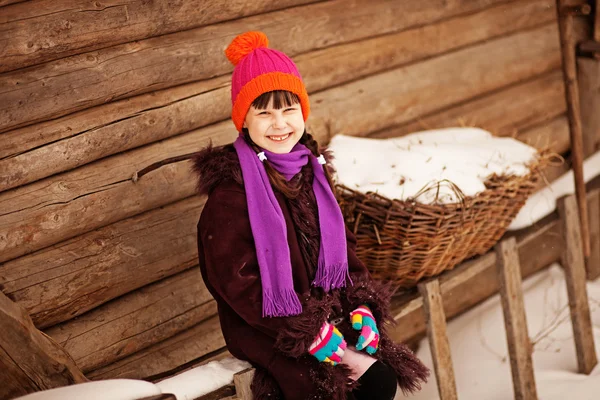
(279, 138)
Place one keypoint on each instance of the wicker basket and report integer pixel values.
(405, 241)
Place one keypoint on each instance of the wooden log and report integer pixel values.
(242, 381)
(39, 31)
(29, 360)
(136, 320)
(515, 321)
(89, 79)
(103, 264)
(532, 53)
(42, 214)
(50, 147)
(588, 76)
(592, 263)
(574, 267)
(194, 343)
(553, 135)
(438, 339)
(512, 110)
(39, 215)
(540, 246)
(7, 2)
(567, 44)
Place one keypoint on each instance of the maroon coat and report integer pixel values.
(278, 347)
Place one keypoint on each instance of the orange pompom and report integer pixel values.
(244, 44)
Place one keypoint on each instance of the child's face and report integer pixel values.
(275, 130)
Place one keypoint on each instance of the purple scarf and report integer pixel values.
(270, 233)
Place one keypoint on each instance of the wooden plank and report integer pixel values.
(567, 45)
(50, 147)
(126, 255)
(194, 343)
(136, 320)
(553, 135)
(515, 322)
(574, 267)
(592, 263)
(596, 34)
(438, 339)
(507, 112)
(29, 360)
(242, 381)
(42, 214)
(415, 93)
(41, 30)
(89, 79)
(588, 76)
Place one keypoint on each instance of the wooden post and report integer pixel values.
(574, 267)
(242, 381)
(438, 339)
(517, 336)
(588, 77)
(592, 263)
(30, 361)
(567, 44)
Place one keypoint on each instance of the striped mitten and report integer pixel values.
(329, 346)
(362, 320)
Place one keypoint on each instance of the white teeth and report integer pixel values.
(279, 138)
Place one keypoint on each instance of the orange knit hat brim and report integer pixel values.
(267, 83)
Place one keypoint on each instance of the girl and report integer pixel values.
(274, 252)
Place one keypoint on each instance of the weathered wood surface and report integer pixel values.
(136, 320)
(44, 30)
(438, 339)
(45, 206)
(507, 112)
(29, 360)
(574, 266)
(242, 381)
(588, 76)
(44, 213)
(196, 342)
(63, 281)
(43, 149)
(539, 247)
(567, 45)
(592, 263)
(553, 135)
(89, 79)
(515, 321)
(433, 84)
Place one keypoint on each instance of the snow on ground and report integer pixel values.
(479, 350)
(399, 168)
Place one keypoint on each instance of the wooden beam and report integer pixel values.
(438, 339)
(242, 381)
(512, 110)
(592, 263)
(588, 77)
(85, 80)
(574, 267)
(515, 322)
(41, 31)
(136, 321)
(567, 45)
(29, 360)
(118, 253)
(40, 150)
(196, 343)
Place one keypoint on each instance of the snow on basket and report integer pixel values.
(422, 203)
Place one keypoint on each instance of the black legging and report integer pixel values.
(377, 383)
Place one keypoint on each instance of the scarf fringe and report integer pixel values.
(282, 303)
(333, 276)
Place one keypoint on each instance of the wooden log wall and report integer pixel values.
(93, 92)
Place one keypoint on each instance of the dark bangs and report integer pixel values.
(281, 99)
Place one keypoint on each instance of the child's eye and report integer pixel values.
(290, 109)
(263, 113)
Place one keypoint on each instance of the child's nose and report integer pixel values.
(279, 122)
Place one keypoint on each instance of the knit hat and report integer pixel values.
(259, 70)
